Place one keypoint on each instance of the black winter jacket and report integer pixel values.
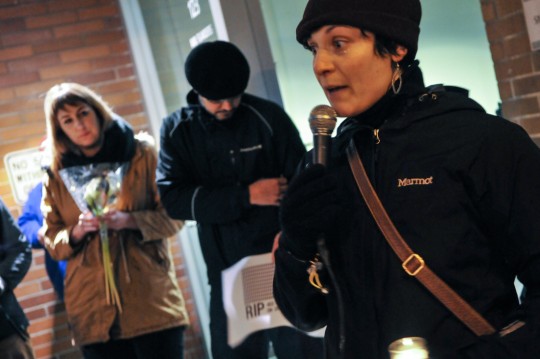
(206, 165)
(463, 189)
(15, 260)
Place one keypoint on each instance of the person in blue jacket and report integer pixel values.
(31, 224)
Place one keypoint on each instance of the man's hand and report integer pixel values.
(267, 191)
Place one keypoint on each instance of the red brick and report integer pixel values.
(42, 338)
(59, 5)
(511, 25)
(34, 63)
(488, 11)
(517, 45)
(37, 89)
(121, 48)
(89, 77)
(85, 53)
(12, 25)
(106, 37)
(128, 109)
(536, 60)
(124, 98)
(120, 85)
(527, 85)
(497, 51)
(512, 68)
(126, 72)
(21, 132)
(112, 61)
(18, 79)
(16, 106)
(513, 109)
(35, 117)
(15, 52)
(507, 7)
(6, 94)
(79, 28)
(113, 23)
(65, 71)
(26, 37)
(531, 125)
(3, 68)
(55, 45)
(99, 12)
(19, 11)
(65, 17)
(37, 300)
(505, 90)
(35, 314)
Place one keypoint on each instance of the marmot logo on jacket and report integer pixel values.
(415, 181)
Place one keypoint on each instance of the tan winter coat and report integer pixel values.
(142, 262)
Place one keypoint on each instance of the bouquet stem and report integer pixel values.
(111, 291)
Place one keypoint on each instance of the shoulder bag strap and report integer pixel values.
(413, 263)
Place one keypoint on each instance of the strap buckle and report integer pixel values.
(420, 264)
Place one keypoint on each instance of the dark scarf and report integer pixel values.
(118, 146)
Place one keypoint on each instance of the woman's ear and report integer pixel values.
(401, 52)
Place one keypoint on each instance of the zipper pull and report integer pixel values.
(376, 135)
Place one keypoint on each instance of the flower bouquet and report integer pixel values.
(95, 188)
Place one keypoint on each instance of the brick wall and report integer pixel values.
(43, 43)
(517, 67)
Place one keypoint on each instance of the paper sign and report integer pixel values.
(249, 300)
(531, 10)
(24, 172)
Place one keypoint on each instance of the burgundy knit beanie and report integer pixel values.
(396, 20)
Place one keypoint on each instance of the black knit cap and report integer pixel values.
(217, 70)
(397, 20)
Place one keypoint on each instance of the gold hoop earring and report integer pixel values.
(396, 77)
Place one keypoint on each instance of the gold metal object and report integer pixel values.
(314, 279)
(417, 270)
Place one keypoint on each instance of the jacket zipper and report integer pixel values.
(375, 147)
(376, 135)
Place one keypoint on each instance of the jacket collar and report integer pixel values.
(415, 102)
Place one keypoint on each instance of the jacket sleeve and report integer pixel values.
(144, 203)
(183, 195)
(302, 304)
(15, 251)
(56, 231)
(508, 193)
(289, 147)
(31, 219)
(154, 223)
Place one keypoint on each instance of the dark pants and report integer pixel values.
(15, 347)
(288, 343)
(165, 344)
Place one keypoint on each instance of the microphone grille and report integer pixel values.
(322, 120)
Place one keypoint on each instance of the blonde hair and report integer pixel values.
(72, 94)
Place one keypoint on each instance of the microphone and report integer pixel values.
(322, 121)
